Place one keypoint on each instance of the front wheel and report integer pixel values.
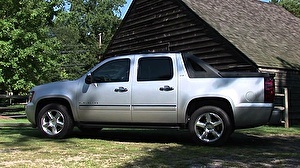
(210, 125)
(54, 121)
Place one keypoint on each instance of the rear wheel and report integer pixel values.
(210, 125)
(54, 121)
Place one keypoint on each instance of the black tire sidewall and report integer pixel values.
(218, 111)
(68, 121)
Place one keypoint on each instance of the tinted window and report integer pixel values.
(154, 69)
(196, 67)
(113, 71)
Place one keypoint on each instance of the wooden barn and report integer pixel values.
(230, 35)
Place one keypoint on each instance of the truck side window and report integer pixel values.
(155, 69)
(196, 67)
(113, 71)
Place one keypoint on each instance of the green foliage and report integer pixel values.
(291, 5)
(27, 53)
(44, 41)
(78, 27)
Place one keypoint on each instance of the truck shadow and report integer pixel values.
(242, 149)
(140, 135)
(183, 137)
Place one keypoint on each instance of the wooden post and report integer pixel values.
(100, 40)
(286, 109)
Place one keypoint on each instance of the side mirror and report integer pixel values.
(89, 79)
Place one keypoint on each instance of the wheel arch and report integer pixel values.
(43, 102)
(222, 103)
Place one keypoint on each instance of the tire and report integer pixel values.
(54, 121)
(210, 125)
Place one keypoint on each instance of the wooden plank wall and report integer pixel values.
(289, 79)
(167, 25)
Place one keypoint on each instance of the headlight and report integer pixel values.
(30, 96)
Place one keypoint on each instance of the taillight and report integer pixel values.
(269, 89)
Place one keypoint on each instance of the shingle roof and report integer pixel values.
(268, 34)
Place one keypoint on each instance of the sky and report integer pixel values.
(128, 2)
(125, 8)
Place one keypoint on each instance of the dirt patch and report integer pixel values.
(6, 118)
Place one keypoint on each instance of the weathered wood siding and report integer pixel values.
(289, 79)
(167, 25)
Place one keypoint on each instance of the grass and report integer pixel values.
(5, 117)
(273, 130)
(257, 147)
(9, 120)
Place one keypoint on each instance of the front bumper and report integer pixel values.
(30, 113)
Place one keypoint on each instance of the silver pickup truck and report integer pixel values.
(154, 90)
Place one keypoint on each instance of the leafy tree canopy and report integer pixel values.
(78, 27)
(44, 41)
(292, 6)
(28, 53)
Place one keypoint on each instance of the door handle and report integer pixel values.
(166, 88)
(121, 89)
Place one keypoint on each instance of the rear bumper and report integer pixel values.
(276, 117)
(249, 115)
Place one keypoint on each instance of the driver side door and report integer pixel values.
(107, 98)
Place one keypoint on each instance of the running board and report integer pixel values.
(119, 125)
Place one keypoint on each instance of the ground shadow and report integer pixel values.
(26, 136)
(140, 135)
(242, 149)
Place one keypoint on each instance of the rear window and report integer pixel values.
(155, 69)
(196, 68)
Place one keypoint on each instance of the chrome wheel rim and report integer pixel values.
(209, 127)
(52, 122)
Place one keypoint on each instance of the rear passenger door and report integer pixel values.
(154, 90)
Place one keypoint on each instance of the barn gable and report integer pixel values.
(231, 35)
(170, 25)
